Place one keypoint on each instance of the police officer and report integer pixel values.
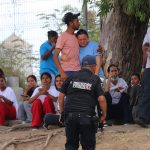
(83, 91)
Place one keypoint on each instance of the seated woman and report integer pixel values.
(24, 110)
(42, 99)
(8, 102)
(53, 119)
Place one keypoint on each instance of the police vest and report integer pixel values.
(81, 93)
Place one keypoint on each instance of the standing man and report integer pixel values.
(88, 47)
(68, 45)
(144, 105)
(46, 55)
(83, 91)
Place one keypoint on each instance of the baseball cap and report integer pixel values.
(88, 61)
(69, 17)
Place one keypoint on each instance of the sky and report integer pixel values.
(20, 17)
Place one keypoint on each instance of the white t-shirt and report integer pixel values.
(56, 104)
(10, 94)
(147, 40)
(117, 95)
(52, 91)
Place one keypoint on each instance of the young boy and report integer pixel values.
(134, 92)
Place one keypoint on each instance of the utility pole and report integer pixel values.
(85, 19)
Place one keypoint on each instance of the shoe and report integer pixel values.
(23, 122)
(141, 123)
(44, 126)
(28, 121)
(35, 128)
(106, 124)
(125, 124)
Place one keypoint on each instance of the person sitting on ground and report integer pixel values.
(8, 102)
(42, 99)
(24, 110)
(134, 88)
(53, 119)
(116, 96)
(58, 84)
(134, 91)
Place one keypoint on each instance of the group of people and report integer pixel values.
(35, 101)
(71, 94)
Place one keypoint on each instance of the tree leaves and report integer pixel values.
(138, 8)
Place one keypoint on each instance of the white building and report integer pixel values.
(15, 53)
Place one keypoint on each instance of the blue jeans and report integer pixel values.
(24, 111)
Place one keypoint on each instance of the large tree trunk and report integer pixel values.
(122, 37)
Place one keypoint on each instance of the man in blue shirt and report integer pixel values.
(90, 48)
(46, 54)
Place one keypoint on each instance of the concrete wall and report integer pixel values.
(13, 82)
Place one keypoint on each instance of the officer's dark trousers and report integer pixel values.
(80, 129)
(120, 111)
(144, 104)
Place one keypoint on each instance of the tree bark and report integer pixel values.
(122, 37)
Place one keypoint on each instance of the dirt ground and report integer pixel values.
(22, 137)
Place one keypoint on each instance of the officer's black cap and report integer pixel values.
(88, 61)
(69, 17)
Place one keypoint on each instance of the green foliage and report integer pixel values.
(104, 6)
(14, 62)
(93, 25)
(54, 21)
(137, 8)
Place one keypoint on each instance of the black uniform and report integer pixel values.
(81, 90)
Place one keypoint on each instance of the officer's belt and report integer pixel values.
(79, 115)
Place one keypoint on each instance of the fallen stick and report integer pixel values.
(19, 126)
(7, 144)
(50, 136)
(28, 140)
(4, 129)
(17, 141)
(47, 141)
